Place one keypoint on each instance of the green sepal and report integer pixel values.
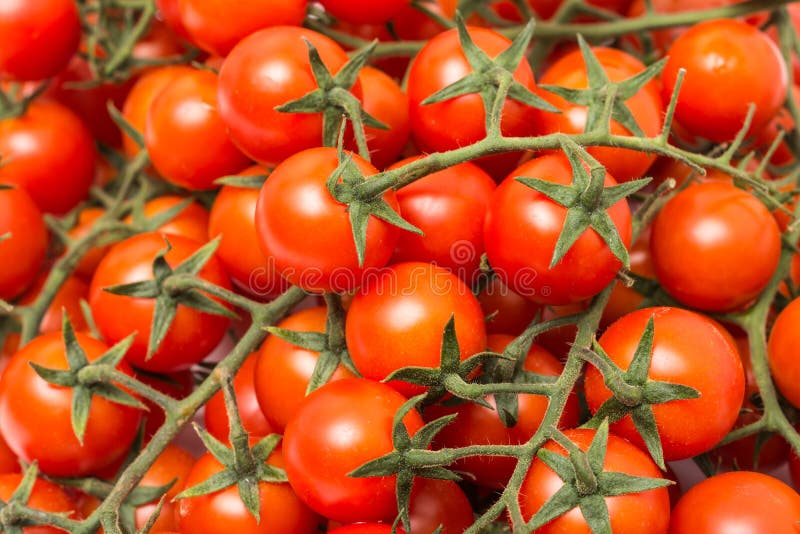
(201, 302)
(123, 124)
(245, 182)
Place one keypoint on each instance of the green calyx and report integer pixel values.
(586, 483)
(634, 392)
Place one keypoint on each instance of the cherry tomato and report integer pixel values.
(739, 501)
(460, 121)
(686, 427)
(506, 312)
(729, 64)
(169, 10)
(172, 465)
(45, 496)
(192, 334)
(522, 228)
(265, 70)
(478, 425)
(364, 11)
(233, 217)
(633, 513)
(216, 26)
(782, 350)
(35, 415)
(67, 298)
(281, 510)
(646, 106)
(37, 39)
(182, 118)
(88, 263)
(436, 503)
(398, 317)
(191, 222)
(449, 207)
(23, 242)
(352, 422)
(48, 152)
(715, 246)
(309, 234)
(282, 370)
(253, 419)
(8, 460)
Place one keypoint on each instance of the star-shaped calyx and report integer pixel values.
(586, 200)
(492, 79)
(606, 99)
(167, 301)
(587, 484)
(334, 100)
(634, 392)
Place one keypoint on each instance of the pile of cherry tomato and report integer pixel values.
(408, 266)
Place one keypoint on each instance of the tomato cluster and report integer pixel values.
(409, 267)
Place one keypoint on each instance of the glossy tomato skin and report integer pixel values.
(715, 246)
(522, 228)
(90, 260)
(282, 370)
(739, 501)
(233, 217)
(177, 385)
(190, 222)
(67, 299)
(35, 415)
(192, 334)
(436, 503)
(729, 64)
(265, 70)
(48, 152)
(141, 96)
(37, 39)
(686, 427)
(22, 253)
(45, 496)
(308, 233)
(182, 118)
(506, 312)
(784, 340)
(478, 425)
(385, 100)
(253, 419)
(352, 419)
(449, 207)
(173, 464)
(364, 11)
(398, 317)
(440, 63)
(217, 25)
(646, 106)
(8, 460)
(282, 512)
(633, 513)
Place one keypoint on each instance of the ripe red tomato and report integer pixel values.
(23, 251)
(169, 11)
(8, 460)
(624, 299)
(37, 39)
(282, 512)
(216, 25)
(253, 419)
(67, 298)
(784, 340)
(686, 427)
(739, 501)
(715, 246)
(398, 317)
(352, 422)
(191, 221)
(48, 152)
(478, 425)
(522, 228)
(364, 11)
(506, 312)
(633, 513)
(265, 70)
(35, 415)
(436, 503)
(385, 100)
(192, 334)
(182, 118)
(309, 234)
(282, 370)
(729, 64)
(233, 217)
(461, 121)
(90, 260)
(45, 496)
(449, 207)
(141, 95)
(646, 106)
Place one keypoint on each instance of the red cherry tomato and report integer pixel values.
(784, 340)
(35, 415)
(8, 460)
(23, 249)
(398, 317)
(352, 422)
(364, 11)
(45, 496)
(436, 503)
(172, 466)
(506, 312)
